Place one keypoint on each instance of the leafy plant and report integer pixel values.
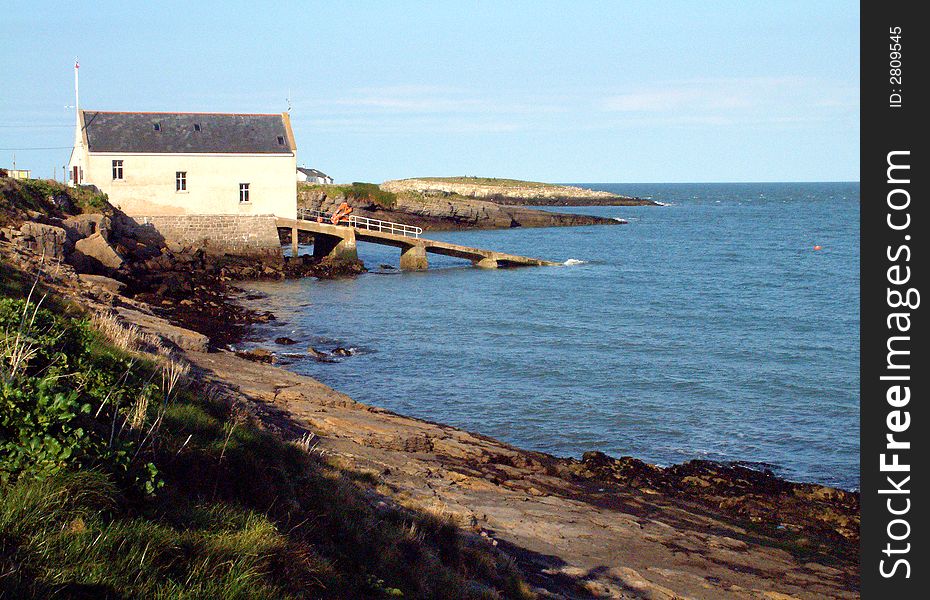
(65, 397)
(39, 428)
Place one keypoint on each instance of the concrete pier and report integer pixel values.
(414, 258)
(340, 241)
(333, 241)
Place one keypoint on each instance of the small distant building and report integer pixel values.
(188, 163)
(18, 173)
(305, 175)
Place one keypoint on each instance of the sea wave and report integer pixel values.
(574, 261)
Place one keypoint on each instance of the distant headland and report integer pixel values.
(512, 191)
(435, 203)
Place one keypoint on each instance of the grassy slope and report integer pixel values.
(20, 196)
(241, 514)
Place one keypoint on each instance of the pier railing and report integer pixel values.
(361, 223)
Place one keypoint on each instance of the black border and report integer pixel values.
(885, 129)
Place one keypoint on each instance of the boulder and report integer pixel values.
(82, 226)
(340, 351)
(94, 254)
(43, 239)
(285, 341)
(258, 355)
(320, 356)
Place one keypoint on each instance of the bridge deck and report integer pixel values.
(405, 243)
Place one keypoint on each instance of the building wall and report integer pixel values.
(148, 184)
(217, 235)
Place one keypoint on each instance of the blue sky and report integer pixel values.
(552, 91)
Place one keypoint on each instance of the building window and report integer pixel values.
(180, 181)
(281, 140)
(196, 126)
(156, 127)
(243, 193)
(117, 169)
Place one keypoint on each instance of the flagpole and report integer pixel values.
(77, 153)
(77, 106)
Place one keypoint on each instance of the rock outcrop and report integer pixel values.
(47, 240)
(512, 192)
(445, 211)
(86, 225)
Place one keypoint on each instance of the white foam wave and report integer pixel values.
(574, 261)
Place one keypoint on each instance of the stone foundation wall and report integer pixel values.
(237, 235)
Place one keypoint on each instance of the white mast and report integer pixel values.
(77, 153)
(78, 138)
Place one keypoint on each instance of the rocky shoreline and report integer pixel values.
(816, 525)
(594, 527)
(818, 518)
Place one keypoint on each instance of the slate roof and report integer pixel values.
(312, 172)
(186, 133)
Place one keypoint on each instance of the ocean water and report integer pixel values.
(709, 328)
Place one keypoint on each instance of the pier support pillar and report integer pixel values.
(335, 246)
(486, 263)
(294, 242)
(413, 258)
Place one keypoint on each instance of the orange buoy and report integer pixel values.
(818, 247)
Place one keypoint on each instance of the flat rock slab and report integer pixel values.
(106, 283)
(568, 546)
(185, 339)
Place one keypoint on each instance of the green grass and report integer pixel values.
(67, 543)
(239, 513)
(18, 196)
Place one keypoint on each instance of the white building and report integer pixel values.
(18, 173)
(305, 175)
(188, 163)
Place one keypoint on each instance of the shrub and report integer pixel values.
(65, 398)
(373, 193)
